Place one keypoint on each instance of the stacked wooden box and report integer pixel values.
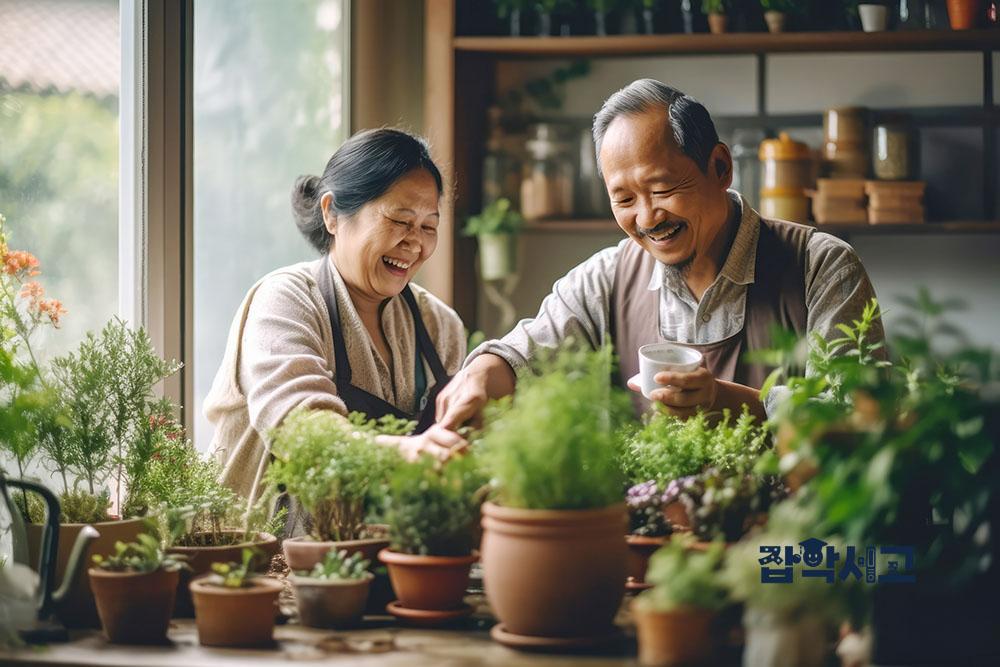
(895, 202)
(840, 201)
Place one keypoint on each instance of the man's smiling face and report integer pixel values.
(659, 196)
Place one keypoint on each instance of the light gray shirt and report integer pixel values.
(837, 288)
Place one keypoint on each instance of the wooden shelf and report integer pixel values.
(750, 42)
(925, 228)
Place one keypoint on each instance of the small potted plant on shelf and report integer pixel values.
(512, 11)
(235, 607)
(432, 512)
(553, 549)
(964, 14)
(333, 468)
(776, 13)
(334, 593)
(674, 618)
(134, 589)
(648, 7)
(874, 16)
(716, 12)
(496, 229)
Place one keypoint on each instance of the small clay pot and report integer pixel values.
(235, 616)
(678, 637)
(555, 573)
(331, 603)
(428, 583)
(200, 560)
(134, 607)
(676, 515)
(302, 553)
(640, 548)
(717, 23)
(775, 21)
(963, 14)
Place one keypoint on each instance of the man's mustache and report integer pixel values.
(660, 228)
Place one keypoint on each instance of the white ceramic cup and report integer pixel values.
(873, 17)
(657, 357)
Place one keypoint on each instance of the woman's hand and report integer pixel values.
(437, 441)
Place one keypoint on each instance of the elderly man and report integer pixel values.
(699, 267)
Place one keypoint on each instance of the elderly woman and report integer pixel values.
(347, 332)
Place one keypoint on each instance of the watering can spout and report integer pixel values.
(77, 562)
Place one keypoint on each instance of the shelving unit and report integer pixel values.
(460, 84)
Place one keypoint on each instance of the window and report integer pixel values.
(269, 105)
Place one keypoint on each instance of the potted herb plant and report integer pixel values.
(648, 530)
(333, 468)
(432, 512)
(674, 618)
(235, 607)
(134, 589)
(512, 11)
(553, 546)
(716, 12)
(776, 13)
(334, 593)
(496, 229)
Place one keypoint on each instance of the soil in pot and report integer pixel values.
(236, 616)
(640, 548)
(678, 637)
(200, 559)
(428, 583)
(331, 603)
(134, 607)
(78, 609)
(303, 553)
(551, 573)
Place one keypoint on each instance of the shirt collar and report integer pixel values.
(739, 265)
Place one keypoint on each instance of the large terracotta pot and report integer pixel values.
(78, 610)
(429, 583)
(236, 616)
(554, 573)
(963, 14)
(134, 608)
(640, 548)
(302, 553)
(331, 603)
(200, 560)
(677, 637)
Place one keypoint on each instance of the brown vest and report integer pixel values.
(776, 297)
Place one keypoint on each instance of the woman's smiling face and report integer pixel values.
(379, 249)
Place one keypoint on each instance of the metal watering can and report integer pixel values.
(44, 597)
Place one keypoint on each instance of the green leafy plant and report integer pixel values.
(505, 7)
(333, 467)
(432, 509)
(783, 6)
(142, 556)
(554, 445)
(545, 92)
(682, 577)
(338, 566)
(234, 575)
(714, 6)
(497, 218)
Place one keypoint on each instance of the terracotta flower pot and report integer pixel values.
(78, 610)
(717, 23)
(775, 21)
(676, 515)
(963, 14)
(555, 573)
(302, 553)
(431, 583)
(236, 616)
(678, 637)
(640, 548)
(200, 560)
(134, 607)
(326, 603)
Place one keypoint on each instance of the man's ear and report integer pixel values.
(720, 165)
(329, 216)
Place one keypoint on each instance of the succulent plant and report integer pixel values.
(337, 565)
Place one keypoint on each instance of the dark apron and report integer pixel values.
(775, 298)
(359, 400)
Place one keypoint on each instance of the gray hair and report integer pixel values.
(690, 123)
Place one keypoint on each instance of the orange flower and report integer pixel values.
(33, 291)
(20, 261)
(54, 309)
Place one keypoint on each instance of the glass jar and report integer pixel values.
(501, 166)
(891, 159)
(746, 164)
(788, 172)
(547, 175)
(845, 153)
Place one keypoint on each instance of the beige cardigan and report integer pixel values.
(279, 356)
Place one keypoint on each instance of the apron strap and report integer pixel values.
(324, 280)
(425, 346)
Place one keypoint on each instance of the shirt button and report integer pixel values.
(706, 317)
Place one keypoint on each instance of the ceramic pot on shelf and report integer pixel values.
(963, 14)
(717, 23)
(874, 18)
(775, 21)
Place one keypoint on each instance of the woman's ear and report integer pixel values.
(329, 216)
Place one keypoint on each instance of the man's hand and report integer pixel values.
(687, 391)
(463, 399)
(439, 442)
